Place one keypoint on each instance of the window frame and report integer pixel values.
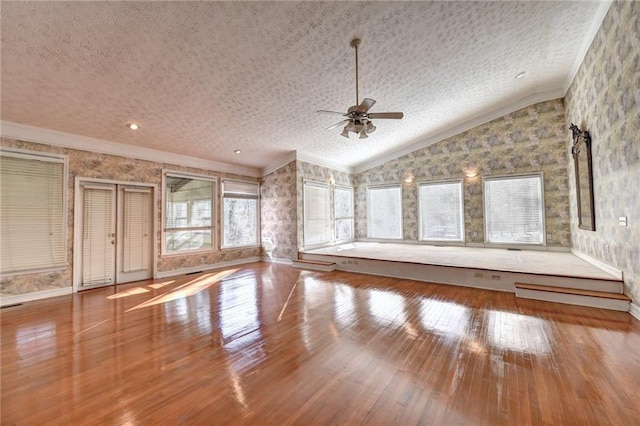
(336, 218)
(377, 187)
(185, 175)
(328, 220)
(242, 197)
(53, 158)
(538, 175)
(460, 183)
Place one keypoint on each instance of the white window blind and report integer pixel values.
(136, 229)
(98, 235)
(188, 213)
(32, 212)
(240, 213)
(384, 212)
(514, 209)
(316, 213)
(343, 210)
(441, 214)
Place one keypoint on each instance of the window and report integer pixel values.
(32, 212)
(441, 213)
(316, 213)
(239, 213)
(343, 210)
(513, 208)
(384, 212)
(188, 213)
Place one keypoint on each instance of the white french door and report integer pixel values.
(117, 234)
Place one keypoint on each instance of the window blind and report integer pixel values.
(98, 233)
(239, 213)
(514, 210)
(32, 208)
(316, 213)
(136, 228)
(384, 212)
(343, 210)
(441, 214)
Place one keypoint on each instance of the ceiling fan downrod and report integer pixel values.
(355, 43)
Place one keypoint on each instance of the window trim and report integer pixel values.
(328, 220)
(393, 185)
(222, 223)
(54, 158)
(462, 215)
(336, 218)
(539, 175)
(175, 173)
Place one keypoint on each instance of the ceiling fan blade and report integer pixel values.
(337, 124)
(322, 111)
(391, 115)
(365, 105)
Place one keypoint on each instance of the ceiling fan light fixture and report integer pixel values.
(369, 127)
(363, 134)
(350, 127)
(345, 132)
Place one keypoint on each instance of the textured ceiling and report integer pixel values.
(206, 78)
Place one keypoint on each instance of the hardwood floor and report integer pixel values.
(270, 344)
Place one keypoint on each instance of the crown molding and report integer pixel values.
(68, 140)
(319, 161)
(588, 38)
(281, 162)
(462, 127)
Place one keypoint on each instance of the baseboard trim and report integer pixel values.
(280, 260)
(36, 295)
(220, 265)
(598, 264)
(634, 310)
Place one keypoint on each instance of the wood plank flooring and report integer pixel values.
(271, 344)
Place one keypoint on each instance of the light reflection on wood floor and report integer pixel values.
(270, 344)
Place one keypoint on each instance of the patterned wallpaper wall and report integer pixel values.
(529, 140)
(314, 172)
(278, 211)
(604, 99)
(112, 167)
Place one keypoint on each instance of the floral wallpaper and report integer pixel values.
(112, 167)
(529, 140)
(604, 99)
(278, 211)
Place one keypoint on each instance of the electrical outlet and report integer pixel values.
(495, 277)
(475, 234)
(622, 221)
(478, 275)
(548, 236)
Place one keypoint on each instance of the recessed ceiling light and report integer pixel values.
(237, 151)
(133, 126)
(520, 74)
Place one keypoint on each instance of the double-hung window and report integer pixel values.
(514, 209)
(188, 213)
(32, 212)
(441, 211)
(384, 212)
(343, 211)
(316, 213)
(239, 213)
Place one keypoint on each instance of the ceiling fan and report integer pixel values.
(359, 118)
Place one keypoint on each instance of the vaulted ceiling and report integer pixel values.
(204, 79)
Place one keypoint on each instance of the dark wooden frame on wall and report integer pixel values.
(581, 151)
